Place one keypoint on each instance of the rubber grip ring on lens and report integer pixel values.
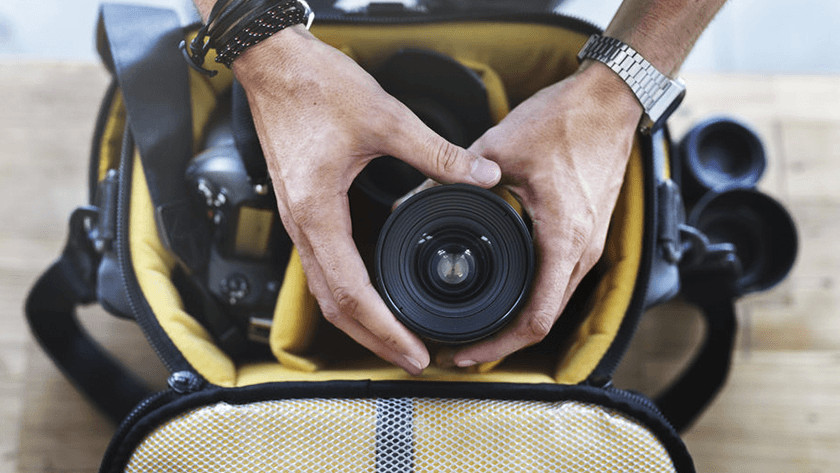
(448, 219)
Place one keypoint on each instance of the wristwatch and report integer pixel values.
(659, 94)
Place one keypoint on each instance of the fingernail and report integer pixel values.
(414, 363)
(465, 363)
(485, 171)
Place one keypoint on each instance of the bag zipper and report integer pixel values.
(641, 399)
(116, 445)
(160, 342)
(180, 383)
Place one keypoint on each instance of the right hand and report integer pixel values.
(320, 119)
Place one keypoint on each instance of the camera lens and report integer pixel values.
(454, 263)
(762, 231)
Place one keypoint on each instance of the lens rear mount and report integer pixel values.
(454, 263)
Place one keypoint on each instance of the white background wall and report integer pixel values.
(754, 36)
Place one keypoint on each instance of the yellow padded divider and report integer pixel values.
(497, 99)
(295, 320)
(377, 370)
(623, 251)
(153, 266)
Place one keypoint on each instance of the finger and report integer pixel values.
(549, 294)
(352, 296)
(355, 330)
(587, 261)
(373, 343)
(320, 289)
(416, 144)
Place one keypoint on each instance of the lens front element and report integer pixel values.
(453, 268)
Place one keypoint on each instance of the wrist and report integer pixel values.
(260, 64)
(611, 94)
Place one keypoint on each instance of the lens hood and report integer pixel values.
(454, 263)
(762, 231)
(720, 153)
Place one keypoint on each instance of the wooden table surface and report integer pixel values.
(780, 411)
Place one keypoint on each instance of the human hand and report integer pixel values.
(563, 154)
(320, 119)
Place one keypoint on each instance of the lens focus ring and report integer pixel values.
(454, 263)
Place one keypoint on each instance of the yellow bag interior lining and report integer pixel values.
(522, 58)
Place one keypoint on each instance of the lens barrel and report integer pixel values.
(720, 153)
(762, 231)
(454, 263)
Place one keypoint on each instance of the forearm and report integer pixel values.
(663, 31)
(204, 7)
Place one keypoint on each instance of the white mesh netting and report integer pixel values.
(401, 435)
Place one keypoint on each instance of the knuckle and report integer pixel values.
(581, 231)
(538, 326)
(347, 301)
(389, 340)
(301, 210)
(445, 156)
(595, 252)
(332, 316)
(579, 239)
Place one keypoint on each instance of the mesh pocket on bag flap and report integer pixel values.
(402, 435)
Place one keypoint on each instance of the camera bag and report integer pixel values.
(319, 403)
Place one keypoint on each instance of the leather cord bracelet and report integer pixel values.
(235, 25)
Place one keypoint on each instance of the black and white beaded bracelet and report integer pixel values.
(236, 25)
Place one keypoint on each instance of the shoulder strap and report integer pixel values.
(711, 286)
(129, 37)
(51, 313)
(140, 45)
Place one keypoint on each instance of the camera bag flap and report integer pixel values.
(144, 251)
(358, 426)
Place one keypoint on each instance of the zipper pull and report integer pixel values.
(105, 227)
(185, 382)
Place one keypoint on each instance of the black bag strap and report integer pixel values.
(140, 46)
(51, 312)
(710, 286)
(245, 135)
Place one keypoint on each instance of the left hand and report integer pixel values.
(563, 154)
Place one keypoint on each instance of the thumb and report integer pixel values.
(428, 152)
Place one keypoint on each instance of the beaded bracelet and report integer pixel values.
(236, 25)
